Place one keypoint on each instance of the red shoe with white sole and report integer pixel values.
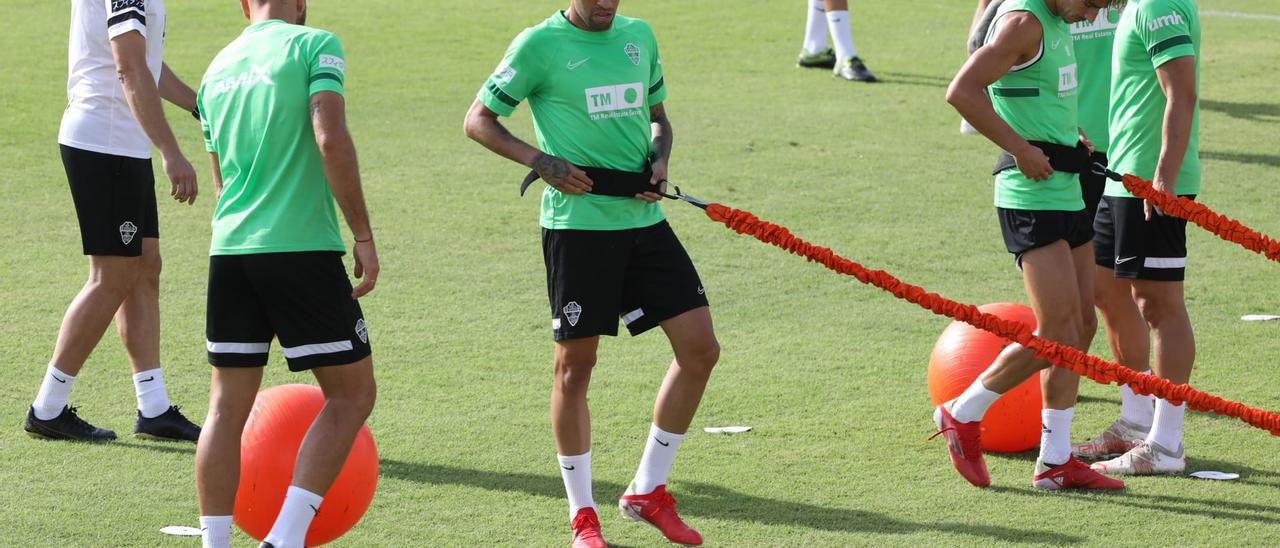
(659, 510)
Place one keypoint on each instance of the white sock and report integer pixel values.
(1055, 435)
(655, 464)
(290, 529)
(838, 23)
(576, 471)
(1166, 430)
(153, 400)
(1136, 408)
(973, 403)
(54, 391)
(815, 28)
(215, 531)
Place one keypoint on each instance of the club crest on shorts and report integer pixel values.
(362, 331)
(572, 312)
(127, 230)
(633, 53)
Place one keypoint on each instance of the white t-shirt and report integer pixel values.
(98, 118)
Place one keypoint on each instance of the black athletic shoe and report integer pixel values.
(854, 70)
(825, 59)
(66, 426)
(169, 426)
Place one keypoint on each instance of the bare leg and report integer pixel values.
(1126, 329)
(1050, 279)
(570, 415)
(837, 5)
(138, 318)
(1174, 343)
(231, 397)
(1060, 387)
(694, 342)
(349, 395)
(111, 279)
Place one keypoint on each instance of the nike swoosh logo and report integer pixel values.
(314, 509)
(1124, 260)
(662, 443)
(148, 379)
(55, 377)
(568, 467)
(572, 65)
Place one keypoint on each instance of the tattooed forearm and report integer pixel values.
(661, 132)
(550, 168)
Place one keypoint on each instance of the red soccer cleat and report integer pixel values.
(1072, 475)
(659, 510)
(964, 442)
(586, 530)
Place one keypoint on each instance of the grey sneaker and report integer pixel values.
(1116, 440)
(854, 70)
(823, 59)
(1145, 459)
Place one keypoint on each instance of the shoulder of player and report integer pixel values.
(633, 26)
(1018, 28)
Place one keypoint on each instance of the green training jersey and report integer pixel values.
(590, 94)
(1038, 100)
(1151, 33)
(254, 100)
(1093, 40)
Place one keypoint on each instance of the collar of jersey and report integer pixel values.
(264, 24)
(560, 19)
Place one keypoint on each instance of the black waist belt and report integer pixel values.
(1061, 158)
(607, 182)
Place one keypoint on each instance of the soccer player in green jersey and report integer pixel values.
(1141, 252)
(275, 129)
(1019, 90)
(593, 80)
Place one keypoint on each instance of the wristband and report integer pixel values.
(195, 113)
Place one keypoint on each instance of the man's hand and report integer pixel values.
(182, 178)
(366, 270)
(1161, 185)
(1033, 163)
(1087, 143)
(561, 174)
(659, 180)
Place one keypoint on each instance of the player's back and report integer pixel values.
(255, 100)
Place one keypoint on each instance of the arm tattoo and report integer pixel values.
(662, 136)
(550, 168)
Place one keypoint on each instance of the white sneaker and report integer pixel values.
(1146, 458)
(1116, 440)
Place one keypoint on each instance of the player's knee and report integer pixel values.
(700, 359)
(1088, 327)
(149, 269)
(1153, 307)
(573, 369)
(116, 280)
(1063, 332)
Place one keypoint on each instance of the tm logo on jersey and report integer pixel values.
(1166, 20)
(616, 101)
(256, 75)
(1067, 83)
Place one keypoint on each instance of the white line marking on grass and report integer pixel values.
(1240, 15)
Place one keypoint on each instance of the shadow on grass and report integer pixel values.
(909, 79)
(1097, 399)
(1176, 505)
(713, 501)
(1254, 112)
(159, 446)
(1242, 158)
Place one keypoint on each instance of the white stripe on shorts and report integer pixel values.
(318, 348)
(632, 316)
(1165, 262)
(237, 348)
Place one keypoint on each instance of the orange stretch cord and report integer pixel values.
(1224, 227)
(1059, 355)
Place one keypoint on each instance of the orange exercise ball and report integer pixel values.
(963, 352)
(268, 448)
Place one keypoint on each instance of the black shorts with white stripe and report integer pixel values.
(303, 299)
(1138, 249)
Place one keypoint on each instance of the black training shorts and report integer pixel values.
(1025, 229)
(303, 299)
(595, 277)
(1138, 249)
(115, 199)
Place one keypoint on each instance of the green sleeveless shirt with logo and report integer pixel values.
(1038, 100)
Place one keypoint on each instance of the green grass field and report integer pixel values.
(830, 373)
